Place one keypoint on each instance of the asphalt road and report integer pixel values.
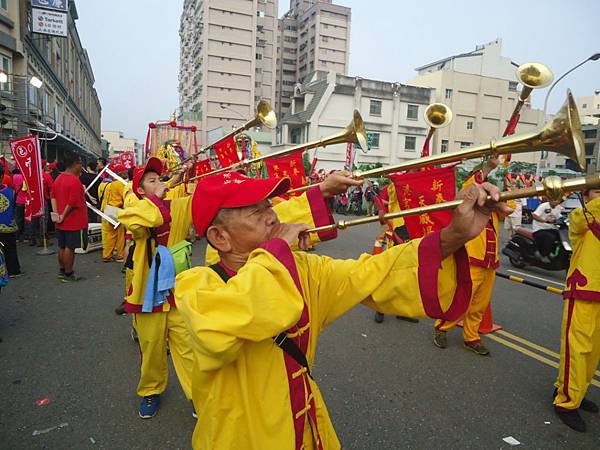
(386, 385)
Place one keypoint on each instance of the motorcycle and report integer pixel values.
(522, 251)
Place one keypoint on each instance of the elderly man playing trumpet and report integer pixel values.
(254, 318)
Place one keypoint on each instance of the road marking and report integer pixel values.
(533, 355)
(537, 278)
(533, 345)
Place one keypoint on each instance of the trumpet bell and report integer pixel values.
(266, 115)
(357, 127)
(437, 115)
(565, 132)
(534, 75)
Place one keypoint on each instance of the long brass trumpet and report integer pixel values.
(531, 76)
(354, 132)
(563, 135)
(264, 115)
(553, 187)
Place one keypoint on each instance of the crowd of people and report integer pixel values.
(250, 317)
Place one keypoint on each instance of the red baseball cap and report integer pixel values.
(231, 190)
(152, 165)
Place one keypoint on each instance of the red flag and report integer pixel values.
(510, 130)
(288, 166)
(226, 152)
(203, 167)
(421, 189)
(425, 150)
(26, 152)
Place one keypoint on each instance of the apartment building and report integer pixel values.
(481, 88)
(118, 143)
(312, 35)
(324, 104)
(227, 63)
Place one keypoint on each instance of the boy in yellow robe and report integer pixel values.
(580, 337)
(249, 392)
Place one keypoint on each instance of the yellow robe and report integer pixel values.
(308, 208)
(483, 258)
(113, 239)
(143, 215)
(580, 331)
(247, 392)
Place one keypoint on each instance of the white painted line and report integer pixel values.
(525, 274)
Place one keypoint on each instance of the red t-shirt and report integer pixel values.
(68, 190)
(48, 183)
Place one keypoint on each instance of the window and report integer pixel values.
(444, 145)
(584, 105)
(260, 14)
(3, 5)
(258, 56)
(465, 144)
(448, 93)
(469, 125)
(590, 134)
(410, 143)
(512, 85)
(289, 61)
(412, 113)
(6, 67)
(373, 140)
(375, 108)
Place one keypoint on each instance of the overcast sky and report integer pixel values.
(134, 45)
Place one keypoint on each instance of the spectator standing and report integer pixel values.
(70, 216)
(8, 227)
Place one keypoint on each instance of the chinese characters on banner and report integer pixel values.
(203, 167)
(125, 159)
(290, 166)
(421, 189)
(349, 156)
(26, 152)
(226, 152)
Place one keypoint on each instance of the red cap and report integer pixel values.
(152, 165)
(117, 168)
(53, 165)
(231, 190)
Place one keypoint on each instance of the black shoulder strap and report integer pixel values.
(281, 340)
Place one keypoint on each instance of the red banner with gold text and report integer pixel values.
(424, 188)
(288, 166)
(26, 152)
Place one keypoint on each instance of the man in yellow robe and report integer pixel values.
(112, 193)
(164, 218)
(250, 393)
(483, 259)
(580, 337)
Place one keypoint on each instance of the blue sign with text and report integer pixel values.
(58, 5)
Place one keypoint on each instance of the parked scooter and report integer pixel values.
(522, 251)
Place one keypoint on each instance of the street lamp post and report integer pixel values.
(594, 57)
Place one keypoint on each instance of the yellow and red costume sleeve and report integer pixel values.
(394, 206)
(583, 278)
(249, 393)
(171, 220)
(483, 250)
(580, 330)
(309, 208)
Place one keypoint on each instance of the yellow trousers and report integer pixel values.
(113, 240)
(154, 329)
(579, 351)
(483, 285)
